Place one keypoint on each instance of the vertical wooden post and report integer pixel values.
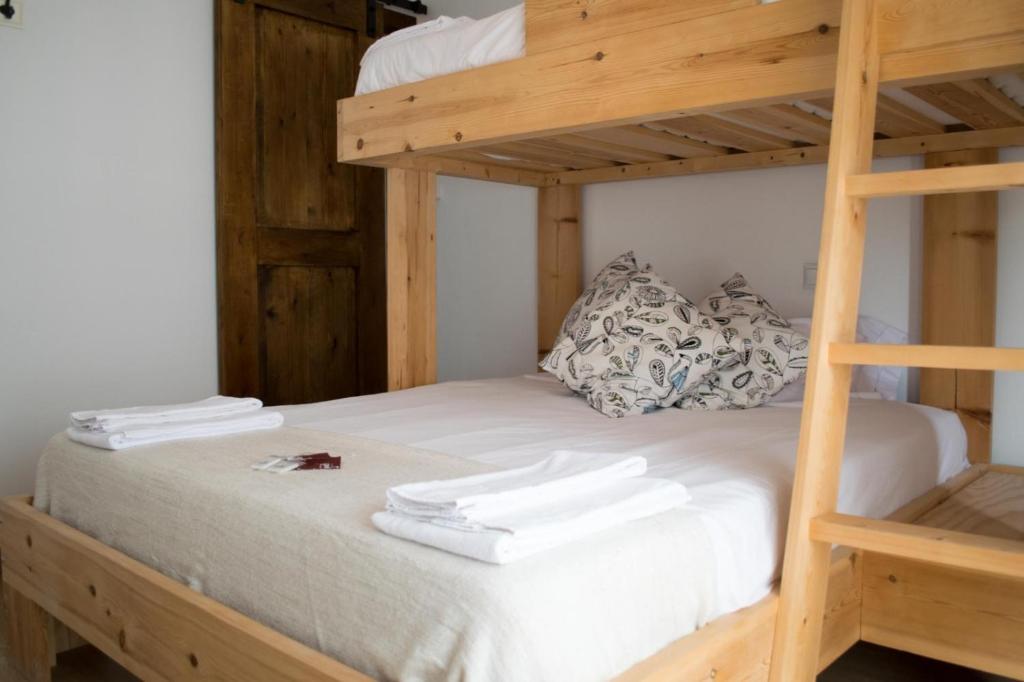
(29, 636)
(411, 278)
(559, 259)
(823, 424)
(959, 295)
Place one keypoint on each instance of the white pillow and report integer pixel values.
(867, 379)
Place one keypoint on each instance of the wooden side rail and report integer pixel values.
(933, 545)
(938, 357)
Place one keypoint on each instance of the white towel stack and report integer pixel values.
(128, 427)
(508, 515)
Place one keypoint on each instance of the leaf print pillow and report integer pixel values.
(772, 353)
(631, 343)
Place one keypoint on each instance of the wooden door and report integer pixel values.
(300, 237)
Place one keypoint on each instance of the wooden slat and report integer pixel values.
(615, 152)
(724, 133)
(985, 178)
(992, 505)
(156, 627)
(893, 118)
(655, 141)
(791, 157)
(480, 156)
(553, 24)
(823, 421)
(559, 259)
(959, 295)
(411, 279)
(766, 54)
(783, 120)
(919, 543)
(942, 357)
(977, 103)
(534, 151)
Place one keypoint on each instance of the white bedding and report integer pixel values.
(398, 610)
(738, 465)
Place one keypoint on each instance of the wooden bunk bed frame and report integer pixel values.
(620, 89)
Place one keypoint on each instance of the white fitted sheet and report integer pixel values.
(738, 465)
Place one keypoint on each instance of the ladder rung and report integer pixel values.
(939, 357)
(982, 178)
(921, 543)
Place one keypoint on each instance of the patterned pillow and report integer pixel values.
(772, 355)
(631, 343)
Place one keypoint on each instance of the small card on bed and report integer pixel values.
(316, 461)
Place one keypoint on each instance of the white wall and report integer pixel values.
(106, 215)
(1008, 415)
(486, 279)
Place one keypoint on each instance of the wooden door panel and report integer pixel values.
(300, 238)
(301, 66)
(313, 308)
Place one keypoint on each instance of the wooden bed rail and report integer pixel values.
(765, 53)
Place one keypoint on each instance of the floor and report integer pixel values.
(863, 663)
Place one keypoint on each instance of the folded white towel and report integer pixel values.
(531, 529)
(119, 419)
(474, 499)
(148, 434)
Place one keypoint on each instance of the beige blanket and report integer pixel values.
(298, 553)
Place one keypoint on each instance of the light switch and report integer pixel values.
(810, 276)
(16, 19)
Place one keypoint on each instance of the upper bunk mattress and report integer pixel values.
(443, 45)
(298, 551)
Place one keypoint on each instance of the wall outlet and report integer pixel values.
(15, 21)
(810, 276)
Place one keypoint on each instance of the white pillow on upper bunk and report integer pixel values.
(867, 379)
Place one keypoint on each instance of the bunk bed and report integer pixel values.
(615, 90)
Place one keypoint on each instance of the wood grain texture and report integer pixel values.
(155, 627)
(29, 631)
(789, 157)
(553, 24)
(769, 54)
(967, 617)
(963, 617)
(950, 548)
(958, 308)
(411, 278)
(938, 180)
(559, 259)
(823, 423)
(284, 202)
(976, 102)
(943, 357)
(993, 505)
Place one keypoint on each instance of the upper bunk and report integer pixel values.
(620, 89)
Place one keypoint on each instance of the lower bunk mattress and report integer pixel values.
(298, 552)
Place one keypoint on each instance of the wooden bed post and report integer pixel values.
(559, 259)
(411, 278)
(29, 631)
(959, 295)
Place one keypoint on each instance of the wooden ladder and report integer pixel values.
(814, 525)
